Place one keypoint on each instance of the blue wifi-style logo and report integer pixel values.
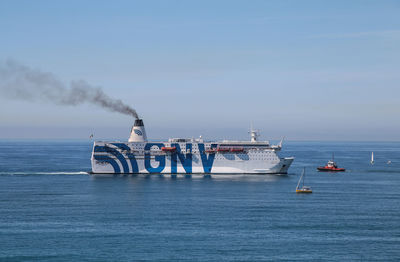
(138, 132)
(116, 158)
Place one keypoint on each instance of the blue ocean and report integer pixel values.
(51, 209)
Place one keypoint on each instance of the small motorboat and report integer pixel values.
(331, 166)
(303, 188)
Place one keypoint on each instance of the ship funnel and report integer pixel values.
(138, 133)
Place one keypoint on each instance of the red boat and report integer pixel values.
(211, 150)
(331, 167)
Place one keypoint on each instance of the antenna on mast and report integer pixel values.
(281, 142)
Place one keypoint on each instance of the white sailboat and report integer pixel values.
(372, 158)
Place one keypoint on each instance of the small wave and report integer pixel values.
(382, 171)
(45, 173)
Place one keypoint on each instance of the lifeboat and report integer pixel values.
(223, 149)
(211, 150)
(237, 149)
(168, 149)
(330, 167)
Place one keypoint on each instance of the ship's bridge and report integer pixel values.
(259, 145)
(247, 143)
(186, 140)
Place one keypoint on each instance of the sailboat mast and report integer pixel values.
(301, 177)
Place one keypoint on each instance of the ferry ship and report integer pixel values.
(187, 156)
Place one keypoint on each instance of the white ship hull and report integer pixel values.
(190, 158)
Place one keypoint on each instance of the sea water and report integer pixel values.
(51, 209)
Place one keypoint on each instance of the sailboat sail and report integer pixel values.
(372, 158)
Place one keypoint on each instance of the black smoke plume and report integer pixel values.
(24, 83)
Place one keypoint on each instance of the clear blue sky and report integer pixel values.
(301, 69)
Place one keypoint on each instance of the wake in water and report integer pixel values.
(44, 173)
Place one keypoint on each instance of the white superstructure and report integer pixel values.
(187, 156)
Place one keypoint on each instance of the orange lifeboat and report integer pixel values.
(168, 149)
(223, 149)
(237, 149)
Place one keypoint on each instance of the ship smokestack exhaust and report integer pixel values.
(138, 132)
(21, 82)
